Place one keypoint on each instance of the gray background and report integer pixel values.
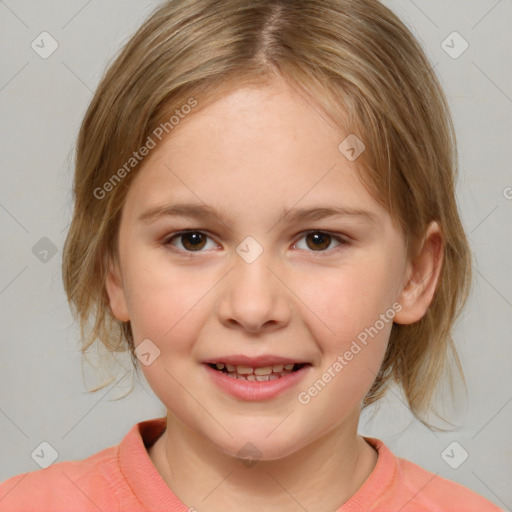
(42, 101)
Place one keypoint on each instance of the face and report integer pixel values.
(261, 278)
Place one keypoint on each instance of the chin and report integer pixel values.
(264, 443)
(258, 450)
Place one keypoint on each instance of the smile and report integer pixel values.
(256, 383)
(256, 374)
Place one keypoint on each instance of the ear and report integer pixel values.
(115, 292)
(422, 277)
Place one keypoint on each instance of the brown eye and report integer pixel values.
(190, 241)
(193, 241)
(318, 241)
(321, 242)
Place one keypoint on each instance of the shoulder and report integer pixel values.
(113, 479)
(426, 491)
(398, 484)
(70, 485)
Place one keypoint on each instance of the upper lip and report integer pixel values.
(263, 360)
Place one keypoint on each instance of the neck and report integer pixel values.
(320, 476)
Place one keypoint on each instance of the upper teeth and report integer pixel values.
(247, 370)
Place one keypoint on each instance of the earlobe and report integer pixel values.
(116, 294)
(423, 277)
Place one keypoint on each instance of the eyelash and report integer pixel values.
(342, 241)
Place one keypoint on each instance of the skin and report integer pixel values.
(251, 154)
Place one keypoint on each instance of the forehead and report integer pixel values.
(260, 147)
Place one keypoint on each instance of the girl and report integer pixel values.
(265, 218)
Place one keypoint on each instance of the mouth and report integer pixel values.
(257, 373)
(259, 378)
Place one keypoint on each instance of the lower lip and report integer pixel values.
(255, 390)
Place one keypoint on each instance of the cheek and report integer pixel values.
(355, 305)
(351, 325)
(164, 302)
(348, 301)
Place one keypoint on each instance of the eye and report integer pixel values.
(320, 241)
(192, 241)
(195, 241)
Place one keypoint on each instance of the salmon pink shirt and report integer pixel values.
(123, 478)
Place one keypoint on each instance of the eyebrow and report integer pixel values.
(203, 212)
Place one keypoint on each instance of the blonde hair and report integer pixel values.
(363, 69)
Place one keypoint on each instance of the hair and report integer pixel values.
(364, 71)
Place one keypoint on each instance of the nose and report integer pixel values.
(253, 298)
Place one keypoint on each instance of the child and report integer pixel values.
(265, 218)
